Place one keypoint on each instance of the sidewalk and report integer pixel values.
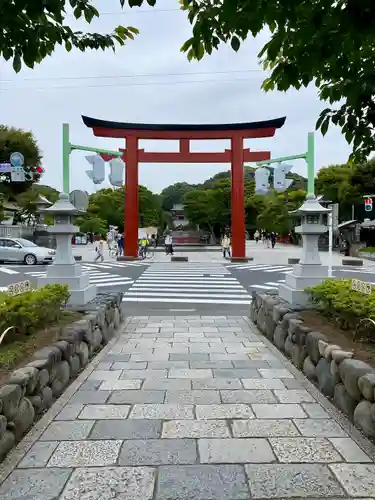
(190, 408)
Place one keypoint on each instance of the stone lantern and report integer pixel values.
(65, 270)
(309, 271)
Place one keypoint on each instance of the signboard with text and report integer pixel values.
(18, 288)
(361, 286)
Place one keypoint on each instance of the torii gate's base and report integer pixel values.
(236, 156)
(241, 259)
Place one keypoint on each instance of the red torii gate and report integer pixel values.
(237, 155)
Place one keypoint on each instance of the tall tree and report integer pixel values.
(174, 194)
(14, 140)
(30, 31)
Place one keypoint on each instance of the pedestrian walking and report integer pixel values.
(168, 244)
(256, 236)
(225, 245)
(99, 251)
(273, 239)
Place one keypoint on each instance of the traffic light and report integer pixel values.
(261, 180)
(97, 174)
(368, 204)
(280, 182)
(116, 175)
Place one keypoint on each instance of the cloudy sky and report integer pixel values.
(150, 81)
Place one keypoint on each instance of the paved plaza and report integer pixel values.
(190, 408)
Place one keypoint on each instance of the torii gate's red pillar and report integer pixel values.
(238, 203)
(131, 198)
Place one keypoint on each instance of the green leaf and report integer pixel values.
(235, 43)
(151, 2)
(68, 46)
(17, 63)
(324, 126)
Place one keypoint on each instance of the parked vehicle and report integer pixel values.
(21, 250)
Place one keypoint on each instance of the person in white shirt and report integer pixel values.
(99, 251)
(225, 245)
(168, 244)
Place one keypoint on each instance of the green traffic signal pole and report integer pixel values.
(308, 157)
(67, 148)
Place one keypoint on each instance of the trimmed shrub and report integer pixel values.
(336, 299)
(32, 311)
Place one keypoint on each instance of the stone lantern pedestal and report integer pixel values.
(309, 271)
(65, 270)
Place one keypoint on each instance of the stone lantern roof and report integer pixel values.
(42, 201)
(63, 207)
(311, 206)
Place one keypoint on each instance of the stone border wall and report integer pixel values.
(31, 390)
(349, 383)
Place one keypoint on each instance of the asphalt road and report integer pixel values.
(180, 288)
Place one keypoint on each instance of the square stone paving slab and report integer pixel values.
(40, 484)
(217, 383)
(281, 481)
(278, 411)
(158, 452)
(101, 412)
(349, 450)
(357, 479)
(262, 384)
(264, 428)
(202, 482)
(138, 396)
(67, 431)
(235, 451)
(304, 450)
(215, 412)
(85, 453)
(243, 396)
(162, 411)
(107, 483)
(192, 397)
(294, 396)
(69, 412)
(126, 429)
(195, 429)
(38, 455)
(320, 427)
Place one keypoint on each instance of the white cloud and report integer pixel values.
(59, 90)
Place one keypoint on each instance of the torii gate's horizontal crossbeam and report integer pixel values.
(187, 157)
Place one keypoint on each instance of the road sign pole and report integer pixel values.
(330, 238)
(66, 149)
(310, 158)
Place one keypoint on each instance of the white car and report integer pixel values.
(21, 250)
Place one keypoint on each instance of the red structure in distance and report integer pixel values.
(236, 156)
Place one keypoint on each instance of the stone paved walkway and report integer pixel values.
(189, 408)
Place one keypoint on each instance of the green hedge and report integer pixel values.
(367, 250)
(336, 299)
(32, 311)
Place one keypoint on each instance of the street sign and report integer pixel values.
(18, 288)
(368, 204)
(17, 159)
(5, 167)
(361, 286)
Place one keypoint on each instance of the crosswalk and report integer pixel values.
(267, 268)
(268, 285)
(97, 274)
(187, 283)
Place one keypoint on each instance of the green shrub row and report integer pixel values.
(367, 250)
(336, 299)
(32, 311)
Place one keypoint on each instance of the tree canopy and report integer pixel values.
(16, 140)
(30, 31)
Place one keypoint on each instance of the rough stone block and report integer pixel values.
(281, 410)
(264, 428)
(299, 354)
(192, 397)
(26, 377)
(279, 337)
(7, 441)
(67, 349)
(67, 431)
(294, 396)
(312, 345)
(138, 396)
(344, 401)
(309, 369)
(75, 366)
(104, 412)
(10, 395)
(366, 385)
(326, 381)
(247, 396)
(61, 379)
(225, 411)
(351, 370)
(329, 349)
(38, 455)
(83, 354)
(319, 427)
(24, 418)
(363, 418)
(51, 355)
(339, 356)
(349, 450)
(279, 311)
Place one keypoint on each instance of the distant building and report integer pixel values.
(178, 216)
